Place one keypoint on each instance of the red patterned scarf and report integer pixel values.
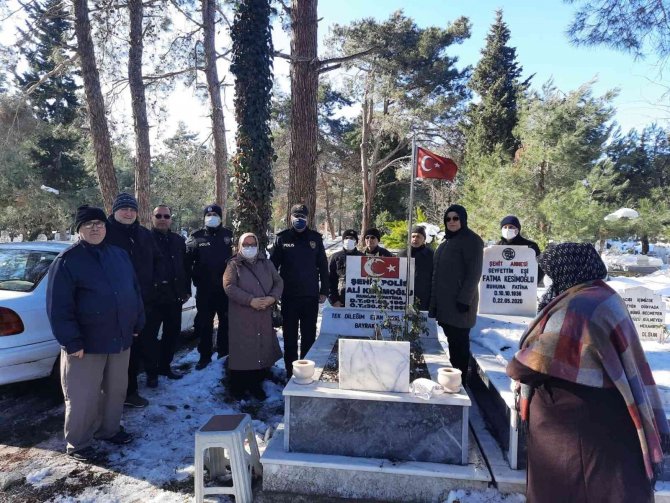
(586, 336)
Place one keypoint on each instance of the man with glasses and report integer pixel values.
(454, 300)
(372, 248)
(124, 231)
(95, 310)
(172, 290)
(207, 253)
(299, 256)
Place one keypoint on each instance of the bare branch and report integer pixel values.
(56, 71)
(285, 7)
(350, 57)
(283, 55)
(185, 14)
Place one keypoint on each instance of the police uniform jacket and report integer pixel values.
(94, 301)
(174, 283)
(301, 261)
(337, 271)
(207, 253)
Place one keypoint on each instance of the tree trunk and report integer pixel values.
(368, 193)
(216, 107)
(304, 120)
(139, 106)
(339, 215)
(327, 207)
(95, 104)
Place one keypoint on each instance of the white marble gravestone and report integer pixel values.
(389, 274)
(648, 312)
(509, 281)
(370, 365)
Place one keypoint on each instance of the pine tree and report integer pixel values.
(496, 81)
(252, 68)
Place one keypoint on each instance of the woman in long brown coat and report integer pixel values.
(596, 426)
(253, 285)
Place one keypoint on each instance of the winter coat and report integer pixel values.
(207, 253)
(457, 268)
(337, 274)
(423, 274)
(582, 445)
(521, 241)
(174, 282)
(379, 252)
(94, 301)
(253, 341)
(301, 261)
(138, 243)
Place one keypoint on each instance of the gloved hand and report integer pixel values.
(462, 308)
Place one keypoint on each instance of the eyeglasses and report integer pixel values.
(93, 223)
(449, 219)
(161, 215)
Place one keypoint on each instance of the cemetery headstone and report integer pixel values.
(41, 237)
(4, 237)
(648, 312)
(509, 281)
(18, 239)
(366, 276)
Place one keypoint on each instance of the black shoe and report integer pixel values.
(136, 401)
(86, 454)
(152, 381)
(202, 363)
(122, 437)
(170, 374)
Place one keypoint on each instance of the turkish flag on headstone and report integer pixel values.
(430, 165)
(380, 267)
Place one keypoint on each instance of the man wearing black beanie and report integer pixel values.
(423, 266)
(337, 268)
(510, 228)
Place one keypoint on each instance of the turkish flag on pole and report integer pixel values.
(429, 165)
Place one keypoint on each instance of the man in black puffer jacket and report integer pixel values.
(454, 299)
(337, 269)
(510, 228)
(124, 231)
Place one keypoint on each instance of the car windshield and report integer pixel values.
(22, 270)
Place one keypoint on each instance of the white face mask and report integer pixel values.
(509, 233)
(349, 244)
(212, 220)
(250, 251)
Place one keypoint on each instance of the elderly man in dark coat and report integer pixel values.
(337, 268)
(95, 309)
(510, 230)
(423, 266)
(457, 267)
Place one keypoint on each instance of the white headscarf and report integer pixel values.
(239, 246)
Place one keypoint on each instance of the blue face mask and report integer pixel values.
(298, 224)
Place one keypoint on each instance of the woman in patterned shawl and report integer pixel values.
(596, 426)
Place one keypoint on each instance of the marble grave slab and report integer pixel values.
(370, 365)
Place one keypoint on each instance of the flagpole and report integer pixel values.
(409, 225)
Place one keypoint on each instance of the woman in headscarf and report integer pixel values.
(253, 285)
(596, 425)
(454, 296)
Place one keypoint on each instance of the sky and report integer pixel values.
(537, 32)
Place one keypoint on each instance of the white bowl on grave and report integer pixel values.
(303, 370)
(450, 379)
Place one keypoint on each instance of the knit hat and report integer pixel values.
(124, 200)
(215, 208)
(86, 213)
(462, 213)
(373, 232)
(299, 210)
(510, 220)
(419, 229)
(350, 233)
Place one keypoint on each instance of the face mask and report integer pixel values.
(212, 221)
(298, 223)
(250, 251)
(509, 234)
(349, 244)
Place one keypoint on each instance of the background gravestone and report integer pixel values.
(509, 281)
(648, 312)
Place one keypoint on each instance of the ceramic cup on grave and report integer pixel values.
(303, 370)
(450, 379)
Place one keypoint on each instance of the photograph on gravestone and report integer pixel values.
(509, 281)
(647, 309)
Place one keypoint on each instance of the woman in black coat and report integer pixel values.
(457, 268)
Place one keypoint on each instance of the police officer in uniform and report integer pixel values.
(337, 269)
(207, 253)
(299, 256)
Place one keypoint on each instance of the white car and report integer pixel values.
(28, 349)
